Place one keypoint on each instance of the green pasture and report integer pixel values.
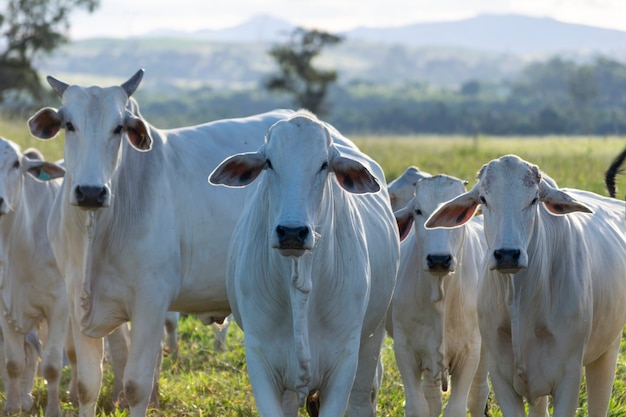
(201, 382)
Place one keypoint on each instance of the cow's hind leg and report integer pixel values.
(600, 375)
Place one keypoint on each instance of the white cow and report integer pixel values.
(402, 189)
(31, 286)
(435, 319)
(313, 264)
(552, 297)
(136, 231)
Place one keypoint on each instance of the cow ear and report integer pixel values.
(138, 134)
(454, 213)
(42, 170)
(46, 123)
(559, 203)
(404, 219)
(353, 176)
(238, 170)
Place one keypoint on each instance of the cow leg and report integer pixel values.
(52, 358)
(119, 342)
(220, 331)
(89, 353)
(171, 333)
(290, 404)
(600, 375)
(479, 391)
(462, 378)
(566, 393)
(364, 393)
(267, 395)
(14, 364)
(511, 404)
(432, 393)
(406, 359)
(146, 335)
(540, 409)
(70, 352)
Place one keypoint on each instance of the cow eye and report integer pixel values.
(418, 212)
(16, 164)
(268, 164)
(69, 126)
(482, 200)
(118, 130)
(324, 166)
(535, 201)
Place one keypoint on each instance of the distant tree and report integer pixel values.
(29, 28)
(297, 74)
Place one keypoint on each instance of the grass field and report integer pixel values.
(201, 382)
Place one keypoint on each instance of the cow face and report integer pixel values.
(14, 165)
(297, 159)
(96, 120)
(509, 191)
(402, 189)
(438, 247)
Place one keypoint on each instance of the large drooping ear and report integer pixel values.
(42, 170)
(238, 170)
(404, 219)
(456, 212)
(138, 133)
(559, 202)
(352, 175)
(46, 123)
(131, 85)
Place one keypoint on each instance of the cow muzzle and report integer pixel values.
(508, 260)
(440, 263)
(91, 196)
(293, 240)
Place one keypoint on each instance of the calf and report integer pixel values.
(435, 320)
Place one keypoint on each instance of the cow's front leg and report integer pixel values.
(89, 353)
(52, 358)
(146, 335)
(15, 370)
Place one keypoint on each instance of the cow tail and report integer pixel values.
(614, 169)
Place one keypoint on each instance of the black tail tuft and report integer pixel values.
(609, 177)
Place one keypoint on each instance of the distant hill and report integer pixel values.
(508, 33)
(489, 48)
(502, 33)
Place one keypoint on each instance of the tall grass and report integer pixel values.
(200, 382)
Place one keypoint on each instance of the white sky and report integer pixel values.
(123, 18)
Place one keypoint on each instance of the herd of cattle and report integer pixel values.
(515, 279)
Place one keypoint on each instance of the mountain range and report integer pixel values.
(509, 33)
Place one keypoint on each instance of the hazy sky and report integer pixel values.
(122, 18)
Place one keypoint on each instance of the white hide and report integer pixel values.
(313, 263)
(552, 297)
(31, 288)
(435, 321)
(136, 230)
(402, 189)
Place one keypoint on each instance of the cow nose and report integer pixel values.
(90, 195)
(292, 237)
(439, 262)
(506, 258)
